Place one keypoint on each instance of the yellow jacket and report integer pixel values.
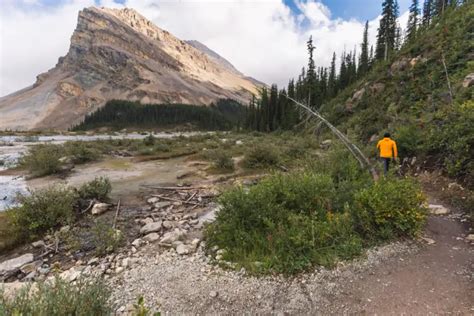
(387, 148)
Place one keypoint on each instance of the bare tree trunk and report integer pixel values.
(354, 150)
(447, 76)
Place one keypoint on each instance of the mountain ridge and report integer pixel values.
(119, 54)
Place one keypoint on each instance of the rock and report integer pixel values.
(326, 143)
(71, 274)
(239, 142)
(358, 95)
(93, 262)
(399, 65)
(15, 263)
(147, 220)
(30, 267)
(213, 294)
(377, 87)
(44, 270)
(151, 237)
(183, 249)
(416, 60)
(429, 241)
(436, 209)
(470, 237)
(373, 138)
(219, 257)
(136, 243)
(172, 236)
(99, 208)
(119, 270)
(38, 244)
(126, 262)
(30, 276)
(64, 229)
(151, 227)
(11, 288)
(66, 160)
(468, 80)
(153, 200)
(168, 224)
(163, 204)
(454, 185)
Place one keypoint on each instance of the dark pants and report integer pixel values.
(386, 164)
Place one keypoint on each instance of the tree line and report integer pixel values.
(272, 110)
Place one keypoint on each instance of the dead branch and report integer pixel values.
(116, 215)
(447, 76)
(176, 200)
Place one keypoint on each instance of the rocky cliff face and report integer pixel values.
(118, 54)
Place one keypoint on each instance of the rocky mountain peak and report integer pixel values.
(119, 54)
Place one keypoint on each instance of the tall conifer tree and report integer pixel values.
(387, 30)
(364, 54)
(413, 21)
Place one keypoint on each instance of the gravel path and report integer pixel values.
(399, 278)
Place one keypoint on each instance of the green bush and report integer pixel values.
(42, 159)
(81, 152)
(105, 238)
(390, 208)
(262, 156)
(149, 140)
(98, 189)
(284, 224)
(56, 298)
(409, 140)
(40, 211)
(221, 160)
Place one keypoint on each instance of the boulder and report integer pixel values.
(31, 267)
(71, 274)
(15, 263)
(358, 95)
(160, 205)
(436, 209)
(468, 81)
(153, 200)
(38, 244)
(470, 237)
(99, 208)
(377, 87)
(151, 237)
(169, 224)
(399, 65)
(326, 143)
(172, 236)
(183, 249)
(151, 227)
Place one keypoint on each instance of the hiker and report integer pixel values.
(388, 151)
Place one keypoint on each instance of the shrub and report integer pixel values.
(262, 156)
(98, 189)
(40, 211)
(221, 159)
(42, 160)
(388, 209)
(409, 140)
(105, 238)
(283, 224)
(149, 140)
(55, 298)
(81, 152)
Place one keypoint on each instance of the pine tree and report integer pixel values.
(427, 10)
(332, 84)
(371, 56)
(398, 38)
(311, 72)
(364, 54)
(412, 21)
(439, 7)
(387, 30)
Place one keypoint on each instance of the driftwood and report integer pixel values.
(116, 215)
(171, 188)
(354, 150)
(89, 207)
(176, 200)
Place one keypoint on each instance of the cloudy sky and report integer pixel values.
(262, 38)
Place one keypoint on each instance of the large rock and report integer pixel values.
(172, 236)
(437, 209)
(400, 65)
(151, 237)
(15, 263)
(100, 208)
(468, 81)
(151, 227)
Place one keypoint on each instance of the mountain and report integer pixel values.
(119, 54)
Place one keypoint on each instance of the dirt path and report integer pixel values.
(437, 280)
(398, 279)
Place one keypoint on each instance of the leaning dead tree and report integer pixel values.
(353, 149)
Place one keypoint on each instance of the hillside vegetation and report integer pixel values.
(410, 97)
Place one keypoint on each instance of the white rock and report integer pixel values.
(99, 208)
(213, 294)
(136, 243)
(163, 204)
(93, 261)
(168, 224)
(437, 209)
(153, 200)
(182, 249)
(151, 237)
(151, 227)
(429, 241)
(238, 142)
(38, 244)
(147, 220)
(71, 274)
(470, 237)
(126, 262)
(119, 270)
(172, 236)
(15, 263)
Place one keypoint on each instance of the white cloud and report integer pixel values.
(262, 38)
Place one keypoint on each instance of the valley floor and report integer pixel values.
(400, 278)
